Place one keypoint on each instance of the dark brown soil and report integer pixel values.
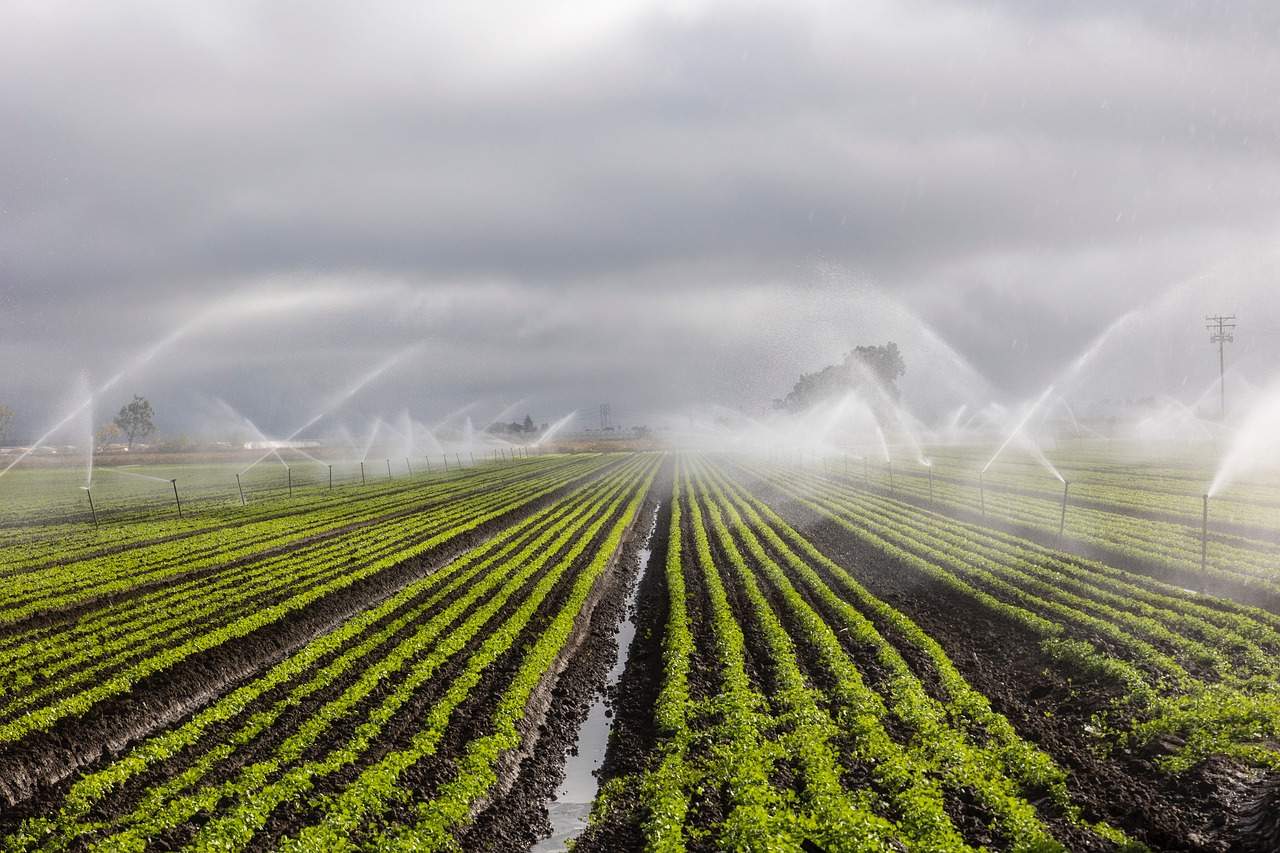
(1047, 706)
(30, 771)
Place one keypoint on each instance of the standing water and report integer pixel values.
(570, 806)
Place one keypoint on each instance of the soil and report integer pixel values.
(1052, 709)
(30, 771)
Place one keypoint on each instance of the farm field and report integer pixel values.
(816, 663)
(1146, 514)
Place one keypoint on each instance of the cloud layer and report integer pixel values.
(648, 203)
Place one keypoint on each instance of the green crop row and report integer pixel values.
(253, 792)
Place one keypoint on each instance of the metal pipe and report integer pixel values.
(1062, 524)
(408, 466)
(362, 481)
(982, 496)
(458, 459)
(92, 511)
(930, 485)
(890, 464)
(240, 488)
(445, 457)
(428, 458)
(330, 478)
(289, 472)
(866, 471)
(176, 499)
(1204, 539)
(388, 469)
(473, 459)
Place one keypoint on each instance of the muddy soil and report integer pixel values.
(31, 770)
(1053, 709)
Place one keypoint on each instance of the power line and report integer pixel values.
(1220, 334)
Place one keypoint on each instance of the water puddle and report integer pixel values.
(570, 806)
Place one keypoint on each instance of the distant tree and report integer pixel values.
(135, 419)
(527, 426)
(861, 366)
(108, 433)
(6, 419)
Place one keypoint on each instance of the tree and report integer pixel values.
(6, 418)
(862, 366)
(135, 421)
(108, 433)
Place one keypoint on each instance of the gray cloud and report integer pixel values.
(623, 202)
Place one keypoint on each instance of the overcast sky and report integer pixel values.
(650, 204)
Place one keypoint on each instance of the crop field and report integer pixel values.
(822, 659)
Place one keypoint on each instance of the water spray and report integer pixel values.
(1062, 523)
(176, 499)
(240, 489)
(93, 512)
(473, 460)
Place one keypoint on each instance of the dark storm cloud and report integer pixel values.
(575, 203)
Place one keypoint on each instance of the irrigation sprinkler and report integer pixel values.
(982, 496)
(388, 469)
(407, 466)
(289, 472)
(362, 481)
(93, 512)
(890, 467)
(331, 478)
(930, 485)
(176, 499)
(473, 460)
(240, 489)
(445, 457)
(458, 459)
(1204, 539)
(866, 472)
(428, 458)
(1062, 523)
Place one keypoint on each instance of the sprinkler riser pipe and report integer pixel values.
(982, 497)
(240, 489)
(1204, 540)
(93, 512)
(388, 470)
(289, 471)
(330, 478)
(1062, 523)
(362, 480)
(176, 499)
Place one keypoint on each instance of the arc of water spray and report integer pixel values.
(1017, 429)
(554, 428)
(345, 395)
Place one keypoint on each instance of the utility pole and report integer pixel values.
(1220, 334)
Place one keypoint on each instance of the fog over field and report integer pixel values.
(658, 205)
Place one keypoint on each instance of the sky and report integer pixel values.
(658, 205)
